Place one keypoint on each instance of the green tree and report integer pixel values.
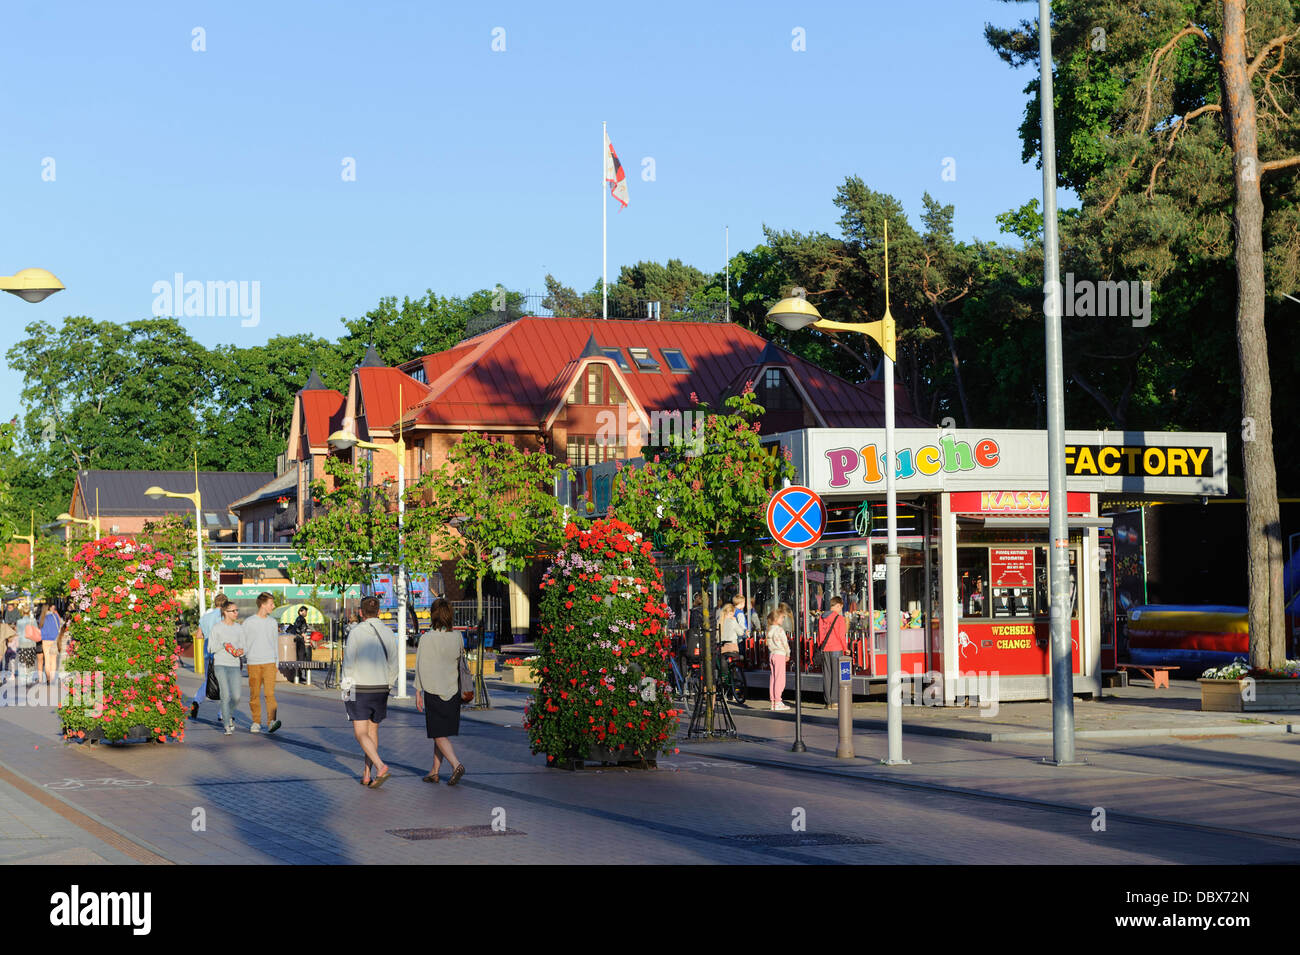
(352, 532)
(1181, 139)
(420, 326)
(174, 534)
(490, 507)
(707, 498)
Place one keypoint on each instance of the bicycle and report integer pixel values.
(729, 677)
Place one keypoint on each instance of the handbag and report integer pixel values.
(212, 689)
(466, 681)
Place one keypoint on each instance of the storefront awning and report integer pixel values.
(994, 523)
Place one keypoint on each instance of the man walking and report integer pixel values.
(206, 622)
(369, 671)
(832, 632)
(262, 645)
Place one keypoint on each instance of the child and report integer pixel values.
(778, 648)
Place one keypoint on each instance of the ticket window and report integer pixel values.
(1005, 582)
(1041, 581)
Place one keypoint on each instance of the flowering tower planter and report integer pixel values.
(602, 690)
(122, 655)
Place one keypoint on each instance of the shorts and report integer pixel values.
(368, 706)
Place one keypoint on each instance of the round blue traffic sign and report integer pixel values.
(796, 517)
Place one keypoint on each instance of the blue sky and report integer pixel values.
(474, 166)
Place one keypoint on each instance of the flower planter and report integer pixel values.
(1249, 695)
(516, 674)
(600, 755)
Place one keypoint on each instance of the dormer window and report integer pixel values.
(777, 392)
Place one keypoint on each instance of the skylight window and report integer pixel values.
(675, 360)
(617, 355)
(643, 360)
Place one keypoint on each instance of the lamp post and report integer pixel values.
(345, 440)
(65, 518)
(31, 560)
(796, 313)
(156, 493)
(31, 285)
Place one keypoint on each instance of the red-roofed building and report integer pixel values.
(570, 382)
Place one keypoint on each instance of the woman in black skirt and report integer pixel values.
(437, 689)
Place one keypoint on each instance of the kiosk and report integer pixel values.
(973, 537)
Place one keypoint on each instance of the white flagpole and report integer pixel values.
(604, 230)
(726, 265)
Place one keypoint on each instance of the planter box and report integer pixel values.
(599, 755)
(1232, 696)
(514, 674)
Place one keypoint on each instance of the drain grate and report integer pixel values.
(452, 832)
(802, 839)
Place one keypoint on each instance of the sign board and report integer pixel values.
(851, 461)
(386, 591)
(261, 559)
(846, 671)
(796, 517)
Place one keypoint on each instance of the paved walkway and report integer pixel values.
(294, 798)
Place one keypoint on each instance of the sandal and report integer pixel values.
(455, 776)
(431, 778)
(379, 780)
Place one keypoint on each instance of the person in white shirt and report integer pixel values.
(262, 636)
(227, 647)
(778, 648)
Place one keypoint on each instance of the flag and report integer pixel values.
(614, 173)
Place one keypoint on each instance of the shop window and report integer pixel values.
(973, 581)
(1041, 582)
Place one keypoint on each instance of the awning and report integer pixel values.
(1030, 522)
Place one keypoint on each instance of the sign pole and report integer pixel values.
(800, 623)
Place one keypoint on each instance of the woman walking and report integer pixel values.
(778, 649)
(227, 647)
(28, 645)
(51, 626)
(437, 689)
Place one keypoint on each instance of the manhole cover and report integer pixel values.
(453, 832)
(800, 839)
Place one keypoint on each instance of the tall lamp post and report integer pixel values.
(1058, 555)
(345, 440)
(796, 313)
(156, 493)
(31, 561)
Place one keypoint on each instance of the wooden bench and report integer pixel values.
(1159, 675)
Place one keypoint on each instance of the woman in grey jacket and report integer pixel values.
(437, 688)
(370, 664)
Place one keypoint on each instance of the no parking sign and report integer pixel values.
(796, 517)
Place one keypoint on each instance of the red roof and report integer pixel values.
(509, 376)
(379, 393)
(323, 413)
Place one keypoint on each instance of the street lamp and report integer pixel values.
(346, 440)
(31, 285)
(65, 518)
(31, 560)
(156, 493)
(796, 313)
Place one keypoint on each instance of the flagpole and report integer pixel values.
(726, 266)
(604, 230)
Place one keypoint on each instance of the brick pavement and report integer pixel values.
(294, 797)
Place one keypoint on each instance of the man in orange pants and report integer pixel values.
(262, 648)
